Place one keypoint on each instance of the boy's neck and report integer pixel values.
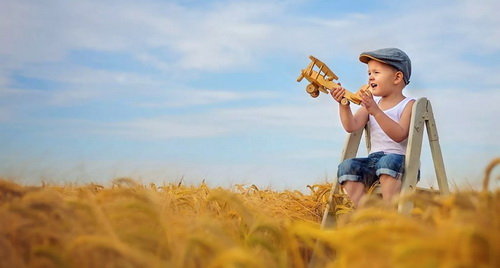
(392, 99)
(395, 96)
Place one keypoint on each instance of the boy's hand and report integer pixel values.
(338, 93)
(369, 103)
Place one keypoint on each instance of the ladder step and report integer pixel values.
(378, 190)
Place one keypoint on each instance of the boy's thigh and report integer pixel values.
(392, 165)
(361, 169)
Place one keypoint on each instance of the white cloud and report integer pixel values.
(302, 115)
(4, 79)
(218, 36)
(227, 36)
(180, 97)
(81, 76)
(309, 121)
(74, 96)
(308, 118)
(5, 114)
(163, 128)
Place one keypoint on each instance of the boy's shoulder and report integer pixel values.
(400, 106)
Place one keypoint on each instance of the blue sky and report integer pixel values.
(206, 90)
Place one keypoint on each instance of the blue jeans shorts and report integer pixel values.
(368, 169)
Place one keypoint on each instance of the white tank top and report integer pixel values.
(380, 142)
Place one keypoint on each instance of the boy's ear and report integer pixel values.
(398, 77)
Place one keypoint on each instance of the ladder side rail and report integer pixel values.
(351, 145)
(329, 219)
(367, 138)
(413, 151)
(350, 150)
(437, 156)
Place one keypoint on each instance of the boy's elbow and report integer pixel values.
(400, 139)
(350, 129)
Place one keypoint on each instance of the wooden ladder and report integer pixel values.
(421, 115)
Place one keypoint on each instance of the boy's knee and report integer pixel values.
(391, 165)
(348, 170)
(345, 167)
(383, 178)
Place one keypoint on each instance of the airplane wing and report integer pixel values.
(323, 69)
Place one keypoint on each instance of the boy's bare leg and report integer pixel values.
(390, 187)
(355, 190)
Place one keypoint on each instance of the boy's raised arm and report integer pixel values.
(350, 122)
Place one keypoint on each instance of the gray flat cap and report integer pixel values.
(392, 56)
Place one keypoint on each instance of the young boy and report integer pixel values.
(388, 116)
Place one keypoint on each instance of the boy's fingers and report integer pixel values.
(338, 93)
(341, 93)
(338, 97)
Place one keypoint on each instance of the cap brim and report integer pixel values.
(365, 58)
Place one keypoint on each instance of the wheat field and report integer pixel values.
(128, 224)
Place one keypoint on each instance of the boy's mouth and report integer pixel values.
(373, 85)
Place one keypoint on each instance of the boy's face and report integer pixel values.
(381, 77)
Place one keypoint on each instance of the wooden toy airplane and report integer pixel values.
(322, 80)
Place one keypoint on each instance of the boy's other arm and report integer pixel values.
(396, 131)
(349, 121)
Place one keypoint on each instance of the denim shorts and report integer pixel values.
(368, 169)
